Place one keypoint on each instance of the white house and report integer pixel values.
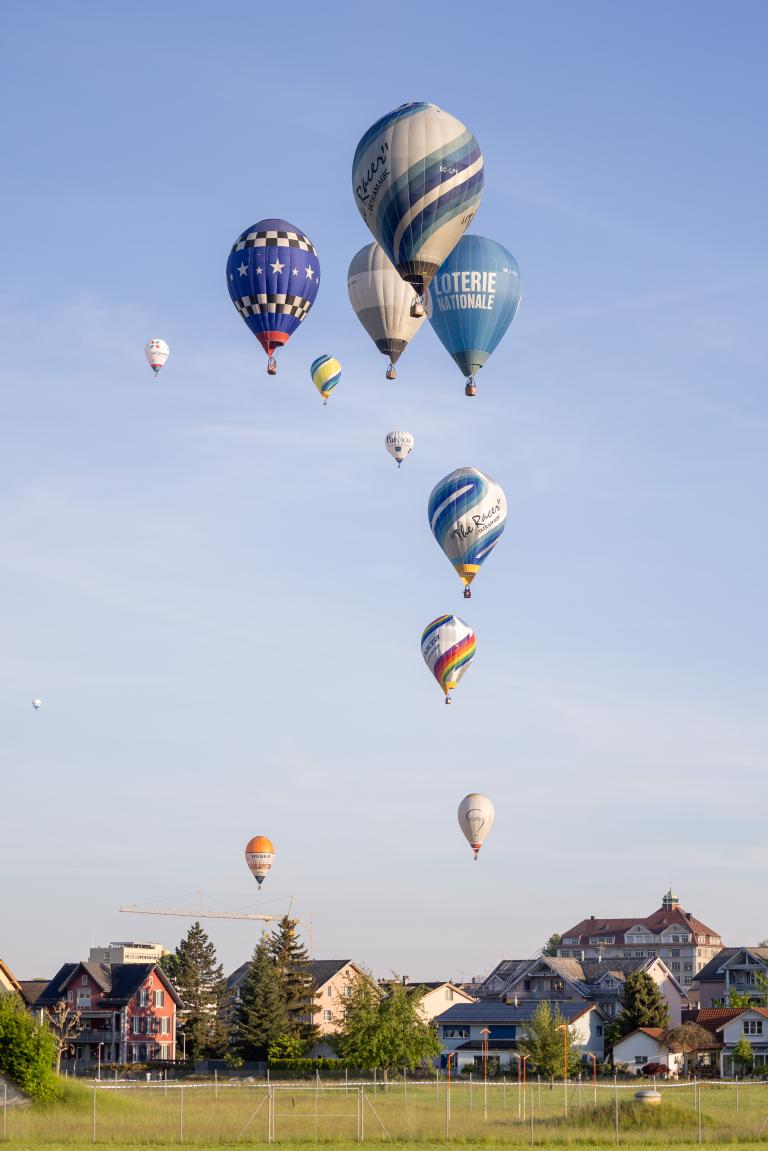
(461, 1031)
(751, 1024)
(646, 1045)
(438, 997)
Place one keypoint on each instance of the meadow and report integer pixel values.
(422, 1114)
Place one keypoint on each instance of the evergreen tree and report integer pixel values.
(552, 944)
(642, 1005)
(261, 1020)
(297, 983)
(200, 982)
(549, 1043)
(386, 1032)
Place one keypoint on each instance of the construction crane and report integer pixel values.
(204, 913)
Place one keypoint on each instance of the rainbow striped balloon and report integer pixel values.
(326, 373)
(467, 512)
(448, 646)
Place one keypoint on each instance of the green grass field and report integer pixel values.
(204, 1116)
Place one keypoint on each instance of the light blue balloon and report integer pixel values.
(474, 295)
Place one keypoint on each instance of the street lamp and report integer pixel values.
(485, 1032)
(594, 1070)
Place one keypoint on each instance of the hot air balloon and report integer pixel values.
(475, 296)
(476, 819)
(157, 352)
(37, 704)
(325, 373)
(259, 853)
(382, 302)
(399, 445)
(448, 646)
(273, 275)
(417, 178)
(467, 512)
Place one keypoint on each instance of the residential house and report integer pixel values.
(461, 1030)
(497, 982)
(684, 943)
(439, 996)
(732, 969)
(591, 981)
(31, 990)
(750, 1024)
(127, 1010)
(648, 1045)
(8, 981)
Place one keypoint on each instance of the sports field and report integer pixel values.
(204, 1115)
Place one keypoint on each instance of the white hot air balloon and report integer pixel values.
(475, 819)
(37, 704)
(157, 352)
(382, 302)
(399, 445)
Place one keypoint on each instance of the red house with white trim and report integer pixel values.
(128, 1011)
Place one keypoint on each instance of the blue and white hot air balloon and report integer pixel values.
(273, 275)
(417, 178)
(467, 512)
(475, 296)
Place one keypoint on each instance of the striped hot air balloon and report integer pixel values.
(448, 646)
(467, 512)
(326, 373)
(417, 178)
(259, 854)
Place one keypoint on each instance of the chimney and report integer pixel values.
(591, 917)
(405, 980)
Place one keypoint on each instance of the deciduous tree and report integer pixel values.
(386, 1031)
(65, 1023)
(549, 1043)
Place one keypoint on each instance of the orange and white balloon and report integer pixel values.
(259, 855)
(157, 352)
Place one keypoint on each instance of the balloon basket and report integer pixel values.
(272, 366)
(390, 373)
(467, 593)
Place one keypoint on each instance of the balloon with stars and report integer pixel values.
(273, 276)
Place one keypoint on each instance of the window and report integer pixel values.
(158, 999)
(143, 997)
(348, 990)
(136, 1025)
(449, 993)
(69, 997)
(329, 991)
(641, 1059)
(165, 1026)
(675, 965)
(455, 1032)
(753, 1027)
(327, 1016)
(599, 1029)
(689, 967)
(84, 980)
(626, 952)
(675, 950)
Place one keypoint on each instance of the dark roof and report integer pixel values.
(119, 982)
(322, 970)
(711, 972)
(490, 1011)
(32, 989)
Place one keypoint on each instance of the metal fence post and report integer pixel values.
(616, 1105)
(181, 1115)
(362, 1114)
(471, 1093)
(5, 1112)
(215, 1083)
(93, 1133)
(531, 1117)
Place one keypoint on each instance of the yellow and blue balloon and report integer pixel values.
(326, 373)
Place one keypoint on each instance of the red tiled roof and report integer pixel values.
(656, 923)
(714, 1017)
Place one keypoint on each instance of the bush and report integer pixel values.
(660, 1070)
(27, 1051)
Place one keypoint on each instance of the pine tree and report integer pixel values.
(297, 983)
(261, 1018)
(200, 982)
(642, 1005)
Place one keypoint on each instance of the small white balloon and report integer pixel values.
(475, 819)
(399, 445)
(36, 704)
(157, 352)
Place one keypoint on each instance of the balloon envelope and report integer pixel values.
(36, 703)
(382, 301)
(467, 512)
(399, 445)
(448, 646)
(476, 817)
(273, 275)
(417, 178)
(326, 373)
(474, 296)
(259, 854)
(157, 352)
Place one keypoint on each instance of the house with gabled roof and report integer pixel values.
(127, 1011)
(461, 1030)
(334, 982)
(732, 969)
(590, 981)
(670, 933)
(8, 981)
(497, 982)
(436, 996)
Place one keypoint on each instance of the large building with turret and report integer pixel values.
(684, 943)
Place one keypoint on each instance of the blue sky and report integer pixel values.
(218, 587)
